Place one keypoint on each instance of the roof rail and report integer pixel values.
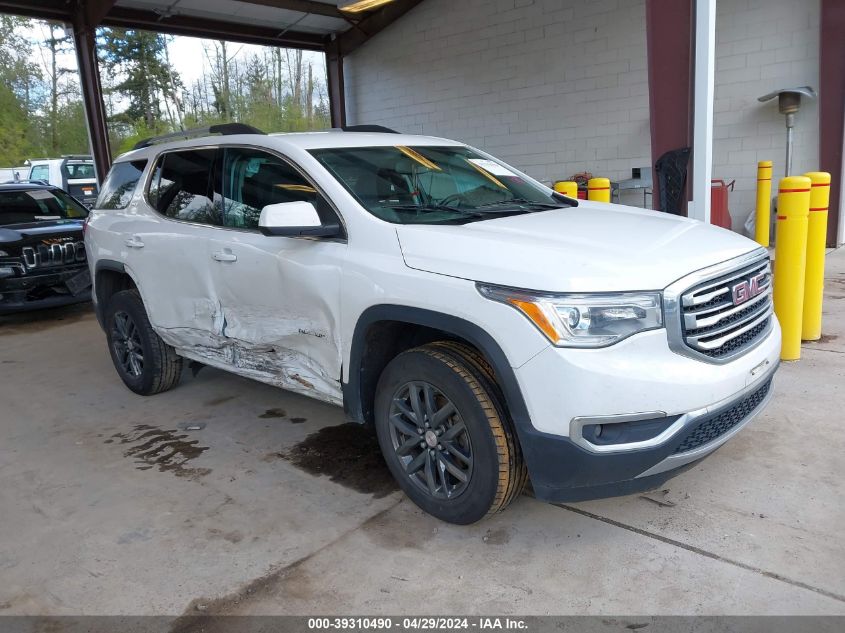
(28, 181)
(224, 129)
(77, 156)
(368, 128)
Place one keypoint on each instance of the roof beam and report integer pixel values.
(45, 9)
(301, 6)
(96, 10)
(373, 24)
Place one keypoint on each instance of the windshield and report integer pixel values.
(80, 170)
(34, 205)
(427, 185)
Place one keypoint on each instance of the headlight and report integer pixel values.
(584, 320)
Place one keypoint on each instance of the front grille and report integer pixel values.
(48, 255)
(723, 317)
(723, 422)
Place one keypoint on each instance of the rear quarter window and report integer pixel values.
(120, 185)
(40, 172)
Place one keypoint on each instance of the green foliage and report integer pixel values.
(41, 112)
(14, 146)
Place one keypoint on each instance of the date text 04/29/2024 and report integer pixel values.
(417, 623)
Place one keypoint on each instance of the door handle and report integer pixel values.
(134, 242)
(224, 256)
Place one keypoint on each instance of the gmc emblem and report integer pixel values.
(748, 289)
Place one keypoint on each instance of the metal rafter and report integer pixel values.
(212, 29)
(301, 6)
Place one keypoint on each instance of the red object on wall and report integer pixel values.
(719, 213)
(832, 104)
(669, 38)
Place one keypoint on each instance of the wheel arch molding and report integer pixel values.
(366, 362)
(103, 291)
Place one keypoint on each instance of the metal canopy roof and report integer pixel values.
(319, 16)
(308, 24)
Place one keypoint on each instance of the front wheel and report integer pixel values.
(145, 363)
(445, 433)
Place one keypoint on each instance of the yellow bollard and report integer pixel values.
(598, 189)
(811, 322)
(764, 203)
(567, 188)
(790, 261)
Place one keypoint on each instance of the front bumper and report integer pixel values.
(561, 470)
(36, 292)
(703, 404)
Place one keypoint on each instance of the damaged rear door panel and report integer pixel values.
(178, 290)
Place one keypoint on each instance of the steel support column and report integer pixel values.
(704, 75)
(832, 111)
(84, 39)
(337, 91)
(669, 44)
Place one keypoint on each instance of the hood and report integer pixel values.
(588, 248)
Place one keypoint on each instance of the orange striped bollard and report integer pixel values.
(811, 320)
(791, 260)
(763, 217)
(568, 188)
(598, 189)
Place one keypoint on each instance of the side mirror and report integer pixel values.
(294, 219)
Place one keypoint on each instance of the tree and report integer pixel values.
(56, 43)
(41, 111)
(137, 59)
(19, 79)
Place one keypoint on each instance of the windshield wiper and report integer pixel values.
(523, 202)
(424, 207)
(474, 212)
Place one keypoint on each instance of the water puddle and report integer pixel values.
(348, 455)
(167, 450)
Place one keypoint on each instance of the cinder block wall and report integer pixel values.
(551, 86)
(762, 45)
(559, 86)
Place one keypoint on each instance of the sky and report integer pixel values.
(186, 54)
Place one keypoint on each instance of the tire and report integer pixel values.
(145, 363)
(467, 463)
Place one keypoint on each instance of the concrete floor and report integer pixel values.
(108, 507)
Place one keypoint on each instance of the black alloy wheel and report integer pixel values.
(431, 440)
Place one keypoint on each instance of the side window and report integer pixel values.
(180, 187)
(252, 179)
(120, 185)
(40, 172)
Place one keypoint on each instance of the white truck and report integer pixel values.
(75, 174)
(492, 330)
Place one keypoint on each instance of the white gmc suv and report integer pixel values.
(493, 331)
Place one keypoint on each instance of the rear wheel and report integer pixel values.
(145, 363)
(445, 433)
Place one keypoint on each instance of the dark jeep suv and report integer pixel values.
(42, 253)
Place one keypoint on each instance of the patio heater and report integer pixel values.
(789, 101)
